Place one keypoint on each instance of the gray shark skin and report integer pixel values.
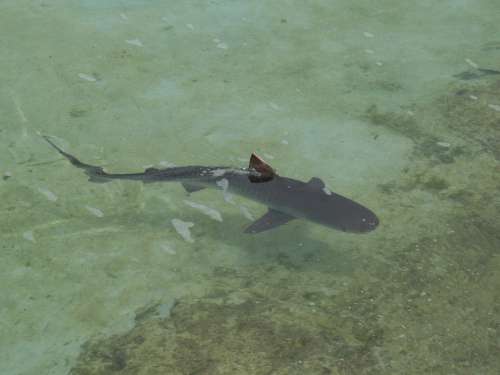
(286, 198)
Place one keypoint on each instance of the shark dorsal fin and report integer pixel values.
(316, 182)
(259, 165)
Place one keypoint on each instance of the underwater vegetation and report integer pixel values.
(474, 112)
(468, 115)
(430, 312)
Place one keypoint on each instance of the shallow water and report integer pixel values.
(144, 279)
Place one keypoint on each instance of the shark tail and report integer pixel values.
(95, 173)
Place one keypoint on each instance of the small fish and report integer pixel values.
(286, 198)
(476, 74)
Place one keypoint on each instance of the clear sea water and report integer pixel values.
(395, 104)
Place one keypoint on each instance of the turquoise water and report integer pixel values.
(386, 103)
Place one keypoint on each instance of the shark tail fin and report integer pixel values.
(95, 173)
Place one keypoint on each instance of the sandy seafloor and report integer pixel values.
(382, 100)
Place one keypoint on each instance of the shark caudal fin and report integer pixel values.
(95, 173)
(264, 171)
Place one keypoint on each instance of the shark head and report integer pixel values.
(362, 221)
(335, 211)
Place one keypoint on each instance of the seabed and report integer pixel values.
(386, 104)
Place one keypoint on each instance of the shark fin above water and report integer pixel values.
(258, 164)
(271, 219)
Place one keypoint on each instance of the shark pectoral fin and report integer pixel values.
(192, 188)
(271, 219)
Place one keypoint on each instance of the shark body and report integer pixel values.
(286, 198)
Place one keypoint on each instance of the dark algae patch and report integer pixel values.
(258, 335)
(469, 111)
(474, 114)
(78, 111)
(400, 123)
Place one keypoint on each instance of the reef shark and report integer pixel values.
(286, 198)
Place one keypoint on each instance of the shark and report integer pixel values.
(286, 198)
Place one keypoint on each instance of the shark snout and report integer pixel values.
(359, 224)
(368, 223)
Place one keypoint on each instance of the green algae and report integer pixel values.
(258, 334)
(402, 123)
(468, 110)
